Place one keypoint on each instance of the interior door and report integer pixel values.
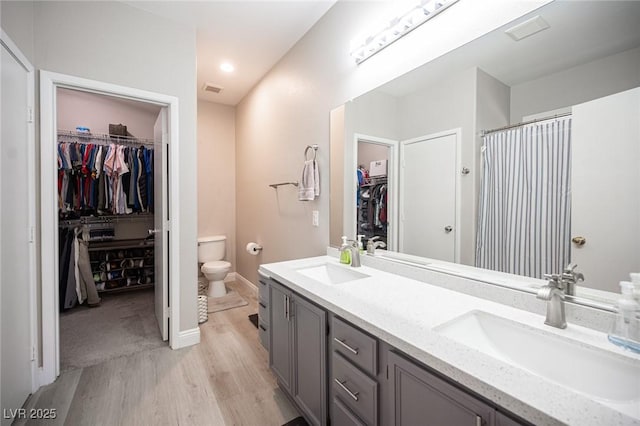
(427, 202)
(15, 236)
(605, 188)
(161, 218)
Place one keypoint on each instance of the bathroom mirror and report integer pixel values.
(579, 67)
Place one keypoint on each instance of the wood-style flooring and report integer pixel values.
(225, 380)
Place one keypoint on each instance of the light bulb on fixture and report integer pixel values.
(227, 67)
(398, 27)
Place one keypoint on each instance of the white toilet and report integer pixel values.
(210, 254)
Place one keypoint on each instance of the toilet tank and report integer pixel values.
(211, 248)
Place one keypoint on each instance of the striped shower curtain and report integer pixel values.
(524, 217)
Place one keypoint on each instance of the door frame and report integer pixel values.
(13, 49)
(458, 183)
(49, 82)
(392, 184)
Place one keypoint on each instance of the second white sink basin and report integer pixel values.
(606, 376)
(328, 273)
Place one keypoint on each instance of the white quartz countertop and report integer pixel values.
(403, 312)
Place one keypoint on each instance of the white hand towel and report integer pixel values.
(309, 187)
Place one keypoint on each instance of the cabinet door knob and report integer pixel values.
(448, 228)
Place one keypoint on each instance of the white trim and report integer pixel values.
(13, 49)
(186, 338)
(246, 282)
(392, 184)
(49, 82)
(231, 277)
(458, 199)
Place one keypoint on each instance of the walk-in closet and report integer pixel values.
(106, 207)
(372, 194)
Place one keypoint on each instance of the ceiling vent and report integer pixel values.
(527, 28)
(209, 87)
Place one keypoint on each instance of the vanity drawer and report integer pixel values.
(358, 347)
(263, 287)
(263, 333)
(342, 416)
(263, 311)
(355, 389)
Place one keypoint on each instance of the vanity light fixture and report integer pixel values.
(397, 28)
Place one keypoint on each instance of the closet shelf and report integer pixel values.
(120, 244)
(100, 138)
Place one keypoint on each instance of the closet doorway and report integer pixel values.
(376, 195)
(127, 236)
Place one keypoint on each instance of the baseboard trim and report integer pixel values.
(231, 277)
(246, 282)
(186, 338)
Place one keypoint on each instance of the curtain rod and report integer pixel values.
(524, 123)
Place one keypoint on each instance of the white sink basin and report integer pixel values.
(328, 273)
(608, 377)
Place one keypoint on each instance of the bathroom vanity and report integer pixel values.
(365, 346)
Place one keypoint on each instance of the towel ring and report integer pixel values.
(314, 147)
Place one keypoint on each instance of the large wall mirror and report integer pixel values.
(437, 165)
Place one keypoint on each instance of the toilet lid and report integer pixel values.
(215, 266)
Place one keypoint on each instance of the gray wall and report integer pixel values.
(576, 85)
(119, 44)
(217, 174)
(448, 105)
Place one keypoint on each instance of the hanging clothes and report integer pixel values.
(104, 179)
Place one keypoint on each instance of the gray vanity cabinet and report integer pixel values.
(420, 397)
(280, 335)
(263, 310)
(503, 420)
(297, 350)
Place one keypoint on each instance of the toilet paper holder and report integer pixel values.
(253, 248)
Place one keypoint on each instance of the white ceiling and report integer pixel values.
(580, 31)
(252, 35)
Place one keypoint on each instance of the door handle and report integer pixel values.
(154, 231)
(579, 241)
(448, 228)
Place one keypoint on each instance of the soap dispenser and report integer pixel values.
(345, 253)
(626, 327)
(360, 244)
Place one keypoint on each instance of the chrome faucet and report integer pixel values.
(553, 293)
(570, 278)
(355, 252)
(372, 245)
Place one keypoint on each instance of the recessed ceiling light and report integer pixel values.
(227, 67)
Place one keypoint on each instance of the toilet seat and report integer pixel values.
(215, 266)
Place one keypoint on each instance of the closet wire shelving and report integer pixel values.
(101, 138)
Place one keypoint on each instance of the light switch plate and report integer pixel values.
(316, 218)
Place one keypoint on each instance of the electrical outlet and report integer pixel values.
(316, 218)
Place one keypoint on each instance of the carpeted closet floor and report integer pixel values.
(123, 324)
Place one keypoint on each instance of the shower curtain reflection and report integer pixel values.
(525, 199)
